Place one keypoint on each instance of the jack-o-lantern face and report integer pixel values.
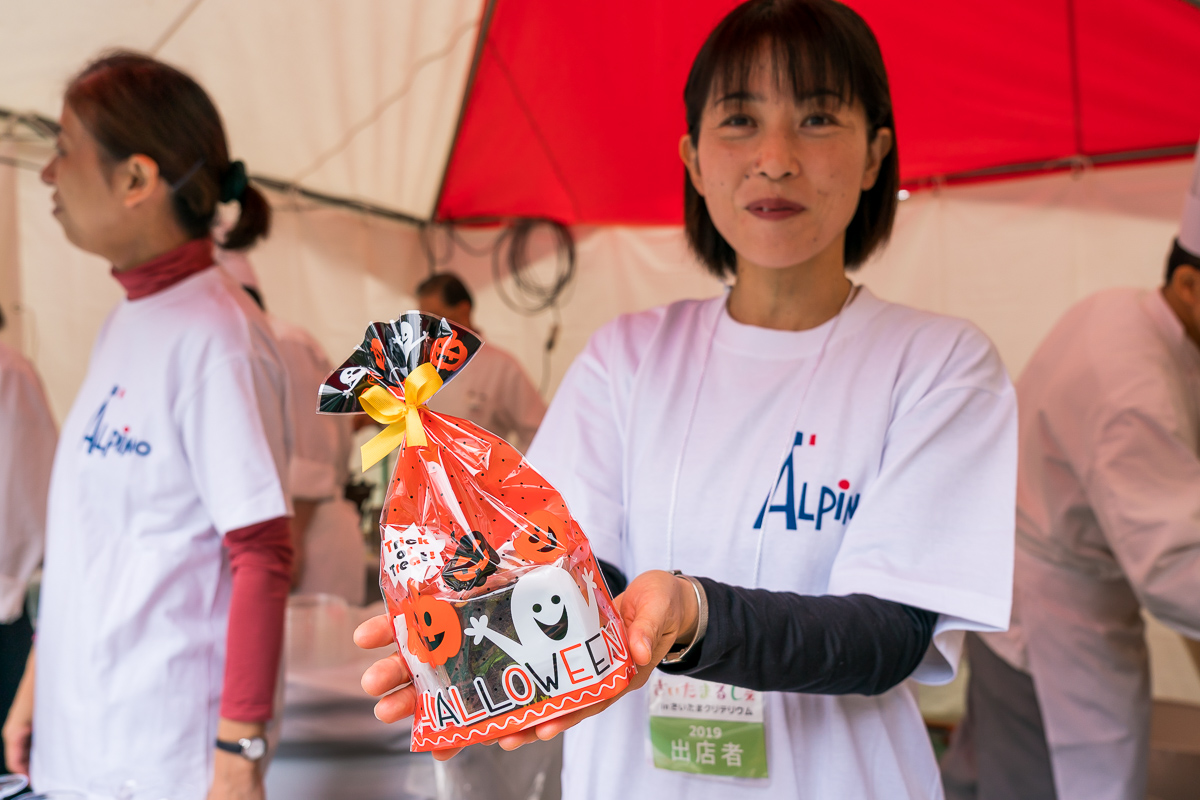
(434, 632)
(448, 352)
(377, 352)
(542, 543)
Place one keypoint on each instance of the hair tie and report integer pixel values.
(187, 176)
(234, 182)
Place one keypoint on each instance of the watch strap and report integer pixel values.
(251, 749)
(230, 747)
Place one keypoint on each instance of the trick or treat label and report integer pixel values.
(411, 553)
(706, 728)
(530, 651)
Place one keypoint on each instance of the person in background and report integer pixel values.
(168, 553)
(495, 392)
(1108, 524)
(840, 468)
(27, 437)
(326, 528)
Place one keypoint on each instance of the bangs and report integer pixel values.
(808, 52)
(819, 50)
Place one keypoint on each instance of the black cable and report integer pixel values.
(531, 296)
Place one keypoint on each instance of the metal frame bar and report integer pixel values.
(485, 26)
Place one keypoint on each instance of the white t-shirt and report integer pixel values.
(27, 438)
(494, 392)
(1108, 521)
(177, 437)
(333, 557)
(894, 478)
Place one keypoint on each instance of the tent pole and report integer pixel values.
(485, 24)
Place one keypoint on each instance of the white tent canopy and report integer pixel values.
(356, 100)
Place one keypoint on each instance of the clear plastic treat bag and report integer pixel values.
(497, 604)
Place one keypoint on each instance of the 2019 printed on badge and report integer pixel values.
(713, 730)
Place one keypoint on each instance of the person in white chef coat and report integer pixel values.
(168, 553)
(840, 469)
(495, 392)
(326, 528)
(1108, 524)
(27, 437)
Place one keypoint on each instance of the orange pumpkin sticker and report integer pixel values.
(377, 352)
(448, 352)
(434, 632)
(543, 541)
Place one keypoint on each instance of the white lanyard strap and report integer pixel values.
(691, 418)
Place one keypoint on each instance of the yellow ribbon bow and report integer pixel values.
(402, 417)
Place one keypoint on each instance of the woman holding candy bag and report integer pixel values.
(168, 554)
(842, 468)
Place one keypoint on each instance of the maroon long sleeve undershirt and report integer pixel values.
(260, 559)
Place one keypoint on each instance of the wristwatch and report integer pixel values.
(250, 749)
(674, 656)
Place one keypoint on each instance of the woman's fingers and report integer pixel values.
(397, 705)
(548, 730)
(385, 675)
(375, 632)
(446, 755)
(512, 741)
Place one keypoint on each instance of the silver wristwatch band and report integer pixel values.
(675, 656)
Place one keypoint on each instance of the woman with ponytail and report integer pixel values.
(168, 554)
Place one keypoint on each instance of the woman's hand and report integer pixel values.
(659, 609)
(234, 777)
(18, 728)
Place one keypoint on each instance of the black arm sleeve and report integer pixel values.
(785, 642)
(614, 579)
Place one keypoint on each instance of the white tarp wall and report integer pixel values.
(1011, 256)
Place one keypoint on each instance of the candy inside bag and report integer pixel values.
(497, 604)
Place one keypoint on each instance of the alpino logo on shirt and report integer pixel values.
(808, 503)
(102, 439)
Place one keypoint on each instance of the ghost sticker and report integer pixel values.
(542, 542)
(561, 644)
(407, 340)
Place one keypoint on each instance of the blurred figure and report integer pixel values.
(168, 552)
(326, 529)
(495, 392)
(27, 437)
(1108, 523)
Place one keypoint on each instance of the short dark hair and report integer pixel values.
(820, 46)
(448, 286)
(1180, 258)
(132, 104)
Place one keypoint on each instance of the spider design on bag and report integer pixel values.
(473, 561)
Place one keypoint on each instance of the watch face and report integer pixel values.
(254, 749)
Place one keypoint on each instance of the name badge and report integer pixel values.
(705, 728)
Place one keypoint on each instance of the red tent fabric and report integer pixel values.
(576, 110)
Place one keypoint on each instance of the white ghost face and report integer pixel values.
(350, 376)
(407, 339)
(548, 607)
